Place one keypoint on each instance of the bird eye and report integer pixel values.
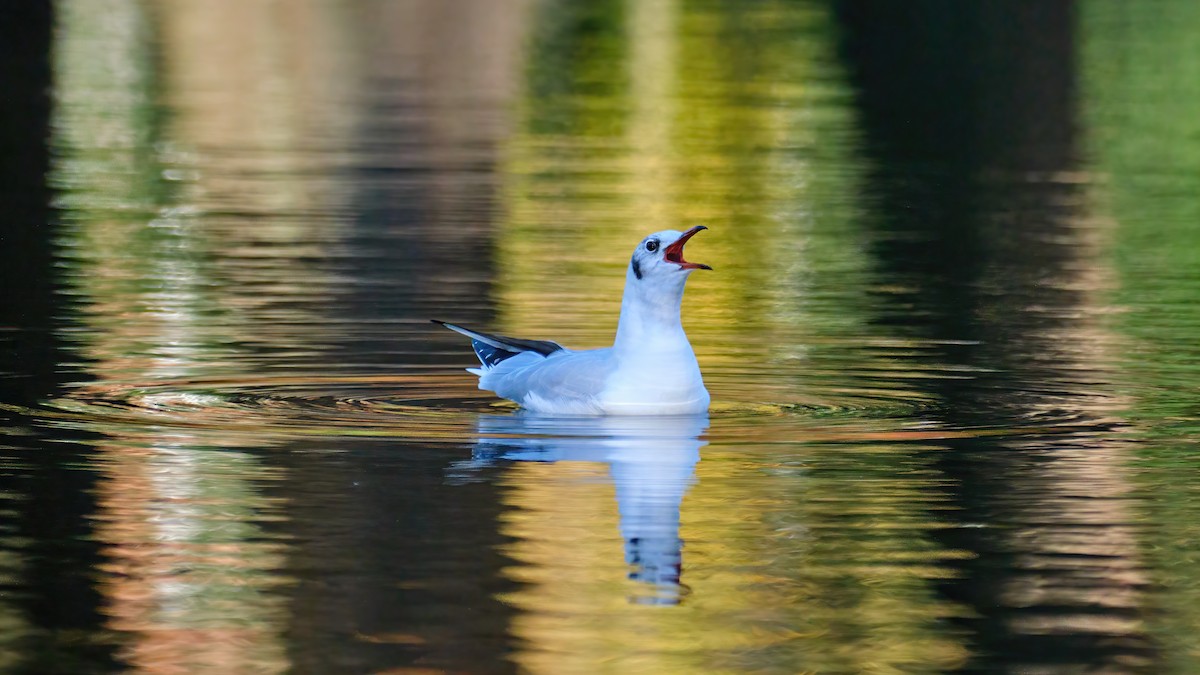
(652, 245)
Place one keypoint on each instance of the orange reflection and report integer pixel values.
(189, 574)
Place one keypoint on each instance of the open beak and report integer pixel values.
(674, 252)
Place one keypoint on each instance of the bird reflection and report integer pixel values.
(652, 463)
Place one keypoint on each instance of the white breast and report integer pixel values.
(656, 382)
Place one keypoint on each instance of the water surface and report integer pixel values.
(950, 337)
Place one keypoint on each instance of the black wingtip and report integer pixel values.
(440, 323)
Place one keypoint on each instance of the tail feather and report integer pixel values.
(493, 349)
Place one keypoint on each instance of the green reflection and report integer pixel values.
(1142, 68)
(581, 52)
(135, 256)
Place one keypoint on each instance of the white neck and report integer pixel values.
(650, 315)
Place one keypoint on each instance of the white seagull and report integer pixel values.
(650, 369)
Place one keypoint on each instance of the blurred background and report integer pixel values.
(951, 335)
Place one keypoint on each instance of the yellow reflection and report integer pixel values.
(764, 577)
(670, 120)
(569, 549)
(686, 125)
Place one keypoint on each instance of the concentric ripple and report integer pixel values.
(444, 407)
(429, 406)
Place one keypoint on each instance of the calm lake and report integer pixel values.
(952, 336)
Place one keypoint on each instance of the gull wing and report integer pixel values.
(538, 374)
(565, 382)
(493, 349)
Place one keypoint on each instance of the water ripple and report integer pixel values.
(442, 407)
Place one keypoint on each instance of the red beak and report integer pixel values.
(674, 252)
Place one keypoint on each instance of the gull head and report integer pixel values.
(659, 258)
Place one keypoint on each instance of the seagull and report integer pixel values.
(650, 369)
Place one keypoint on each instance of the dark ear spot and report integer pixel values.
(637, 269)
